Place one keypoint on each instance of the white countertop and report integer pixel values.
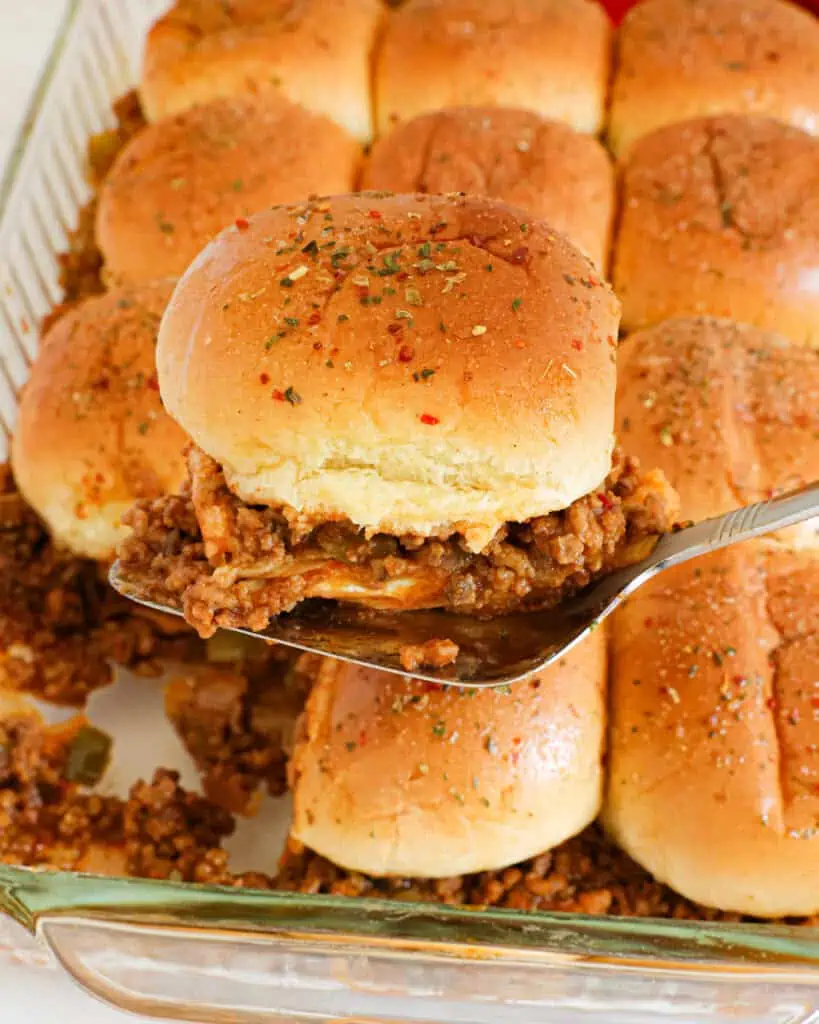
(36, 995)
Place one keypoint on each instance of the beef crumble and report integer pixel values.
(61, 625)
(237, 724)
(226, 563)
(587, 874)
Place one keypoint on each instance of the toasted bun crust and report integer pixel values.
(392, 777)
(544, 167)
(714, 742)
(92, 436)
(549, 56)
(690, 58)
(730, 413)
(417, 364)
(721, 216)
(316, 51)
(183, 179)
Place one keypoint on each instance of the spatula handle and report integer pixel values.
(741, 524)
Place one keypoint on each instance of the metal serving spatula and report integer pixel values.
(501, 650)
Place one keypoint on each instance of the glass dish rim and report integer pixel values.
(658, 943)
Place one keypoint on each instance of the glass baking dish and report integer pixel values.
(210, 954)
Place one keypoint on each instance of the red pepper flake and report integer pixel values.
(374, 214)
(770, 703)
(314, 318)
(432, 687)
(264, 378)
(402, 276)
(278, 395)
(519, 255)
(405, 355)
(362, 739)
(152, 383)
(363, 291)
(317, 345)
(605, 500)
(577, 344)
(395, 328)
(815, 702)
(430, 421)
(649, 623)
(242, 223)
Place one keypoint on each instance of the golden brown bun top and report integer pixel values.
(714, 760)
(687, 58)
(549, 56)
(721, 216)
(410, 362)
(557, 174)
(92, 436)
(316, 51)
(728, 412)
(183, 179)
(397, 777)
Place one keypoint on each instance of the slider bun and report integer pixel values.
(395, 777)
(728, 412)
(714, 741)
(183, 179)
(92, 436)
(721, 216)
(417, 364)
(544, 167)
(549, 56)
(316, 51)
(688, 58)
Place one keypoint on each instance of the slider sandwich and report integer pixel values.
(400, 402)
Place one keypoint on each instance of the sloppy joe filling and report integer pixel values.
(226, 563)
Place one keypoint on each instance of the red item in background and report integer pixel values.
(617, 8)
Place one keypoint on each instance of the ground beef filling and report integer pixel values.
(226, 563)
(61, 625)
(237, 723)
(48, 819)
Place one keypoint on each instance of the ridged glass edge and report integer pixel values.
(28, 894)
(17, 152)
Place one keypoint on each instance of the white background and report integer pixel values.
(27, 28)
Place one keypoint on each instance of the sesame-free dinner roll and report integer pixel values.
(184, 178)
(92, 435)
(317, 52)
(395, 777)
(553, 172)
(730, 413)
(713, 748)
(720, 216)
(548, 56)
(407, 361)
(680, 59)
